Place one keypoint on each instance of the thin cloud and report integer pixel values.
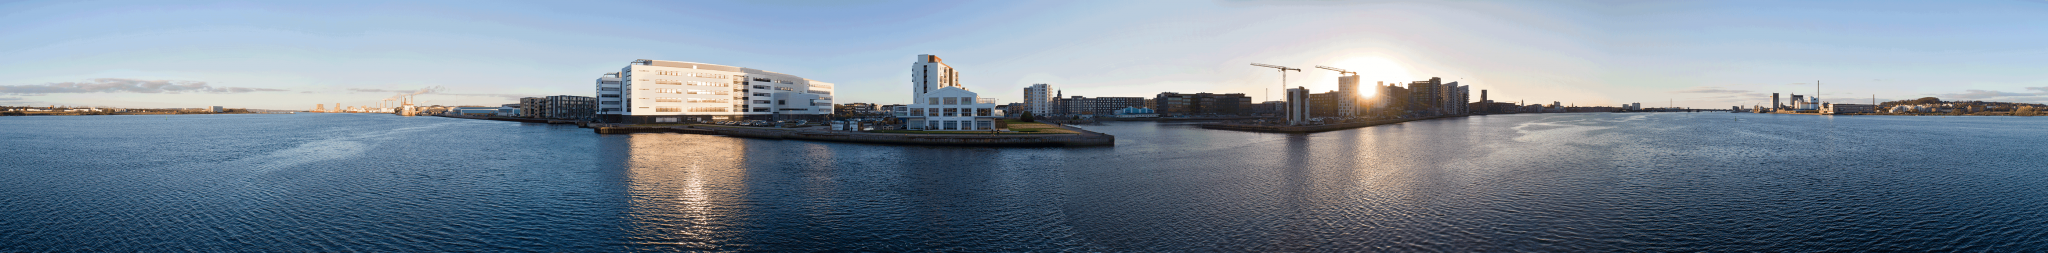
(370, 90)
(1988, 94)
(11, 99)
(119, 85)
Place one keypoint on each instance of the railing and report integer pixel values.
(985, 100)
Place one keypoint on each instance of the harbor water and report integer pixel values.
(1575, 182)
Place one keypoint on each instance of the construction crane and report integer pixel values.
(1338, 70)
(1283, 75)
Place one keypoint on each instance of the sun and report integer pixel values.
(1370, 71)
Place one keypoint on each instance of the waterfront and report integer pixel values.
(1535, 182)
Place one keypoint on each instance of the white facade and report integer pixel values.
(939, 102)
(610, 102)
(652, 91)
(1038, 99)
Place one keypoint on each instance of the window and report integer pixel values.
(933, 101)
(952, 124)
(821, 86)
(787, 82)
(952, 101)
(916, 112)
(785, 88)
(668, 100)
(952, 112)
(760, 94)
(934, 112)
(608, 89)
(668, 109)
(707, 109)
(758, 79)
(760, 109)
(667, 119)
(764, 87)
(609, 95)
(984, 112)
(762, 102)
(819, 92)
(985, 124)
(710, 100)
(608, 103)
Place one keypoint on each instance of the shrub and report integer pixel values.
(1027, 117)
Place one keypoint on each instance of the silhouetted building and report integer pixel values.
(1203, 104)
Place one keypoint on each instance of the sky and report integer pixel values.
(1703, 54)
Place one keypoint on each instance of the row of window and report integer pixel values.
(693, 100)
(952, 112)
(691, 83)
(819, 92)
(821, 86)
(689, 74)
(692, 109)
(692, 92)
(950, 101)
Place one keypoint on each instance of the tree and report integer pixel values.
(1027, 117)
(2026, 111)
(1927, 101)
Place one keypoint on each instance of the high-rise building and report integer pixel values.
(654, 91)
(1038, 99)
(1327, 104)
(940, 102)
(1298, 106)
(1423, 95)
(1349, 97)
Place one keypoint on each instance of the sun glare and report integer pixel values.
(1370, 71)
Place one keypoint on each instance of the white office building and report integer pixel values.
(651, 91)
(1039, 100)
(939, 102)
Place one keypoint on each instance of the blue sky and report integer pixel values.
(293, 54)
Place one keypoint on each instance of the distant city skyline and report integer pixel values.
(1704, 54)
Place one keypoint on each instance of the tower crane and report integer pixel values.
(1338, 70)
(1283, 74)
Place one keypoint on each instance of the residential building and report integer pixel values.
(570, 108)
(533, 107)
(1298, 101)
(1039, 99)
(1079, 105)
(1203, 104)
(654, 91)
(1424, 95)
(940, 102)
(1322, 105)
(611, 107)
(1349, 98)
(854, 110)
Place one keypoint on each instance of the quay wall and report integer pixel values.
(1311, 129)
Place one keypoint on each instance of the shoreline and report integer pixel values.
(1082, 138)
(1313, 129)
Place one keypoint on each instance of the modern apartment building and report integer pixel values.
(1039, 99)
(569, 107)
(1078, 105)
(1202, 104)
(1425, 95)
(610, 100)
(939, 102)
(652, 91)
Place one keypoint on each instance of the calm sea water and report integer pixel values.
(1550, 182)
